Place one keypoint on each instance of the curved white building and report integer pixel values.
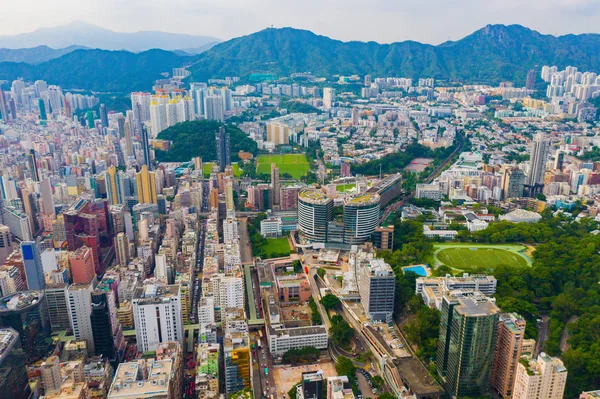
(315, 210)
(361, 217)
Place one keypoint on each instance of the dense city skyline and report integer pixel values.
(384, 21)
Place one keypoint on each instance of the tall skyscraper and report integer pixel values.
(4, 108)
(467, 342)
(32, 162)
(47, 197)
(89, 116)
(42, 107)
(213, 108)
(328, 97)
(537, 161)
(102, 325)
(530, 83)
(223, 139)
(33, 265)
(82, 265)
(157, 315)
(114, 186)
(513, 181)
(146, 186)
(103, 116)
(122, 249)
(559, 160)
(158, 117)
(14, 381)
(275, 184)
(377, 287)
(146, 147)
(79, 303)
(511, 332)
(229, 196)
(129, 132)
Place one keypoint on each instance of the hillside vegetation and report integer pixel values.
(197, 139)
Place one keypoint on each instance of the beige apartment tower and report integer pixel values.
(511, 332)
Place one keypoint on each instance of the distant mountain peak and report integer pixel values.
(81, 33)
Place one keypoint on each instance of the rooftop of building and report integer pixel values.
(297, 331)
(20, 300)
(207, 360)
(476, 306)
(313, 196)
(153, 293)
(69, 390)
(144, 378)
(379, 267)
(362, 199)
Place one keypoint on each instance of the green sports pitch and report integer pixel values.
(295, 165)
(469, 256)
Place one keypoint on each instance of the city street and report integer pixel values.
(245, 247)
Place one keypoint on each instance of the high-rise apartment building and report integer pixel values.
(468, 327)
(328, 97)
(275, 183)
(223, 139)
(56, 299)
(544, 378)
(213, 108)
(50, 373)
(33, 168)
(513, 182)
(122, 249)
(79, 304)
(33, 265)
(115, 186)
(157, 315)
(102, 325)
(537, 161)
(377, 287)
(511, 332)
(530, 82)
(82, 265)
(146, 186)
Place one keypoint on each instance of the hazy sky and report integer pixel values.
(430, 21)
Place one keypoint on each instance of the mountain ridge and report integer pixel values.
(88, 35)
(490, 54)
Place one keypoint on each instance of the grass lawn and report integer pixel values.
(342, 188)
(207, 168)
(277, 247)
(469, 256)
(295, 165)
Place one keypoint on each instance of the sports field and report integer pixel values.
(470, 256)
(295, 165)
(277, 247)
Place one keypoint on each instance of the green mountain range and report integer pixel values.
(489, 55)
(98, 70)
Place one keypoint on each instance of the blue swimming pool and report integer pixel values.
(419, 270)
